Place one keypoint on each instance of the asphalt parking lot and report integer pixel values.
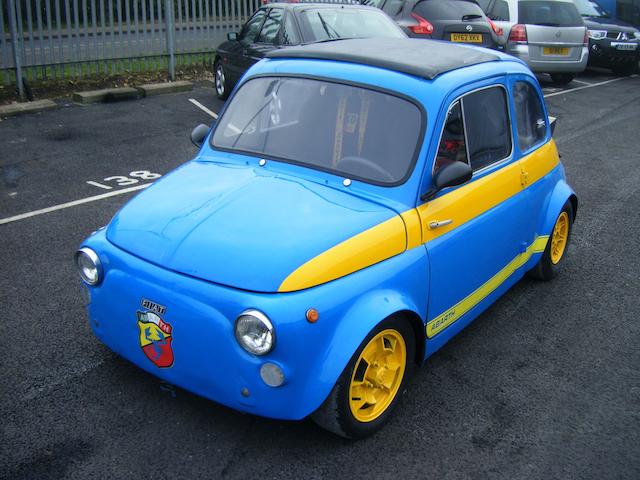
(545, 384)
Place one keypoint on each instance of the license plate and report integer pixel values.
(466, 37)
(564, 51)
(625, 46)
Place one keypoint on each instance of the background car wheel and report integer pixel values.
(561, 78)
(220, 81)
(549, 265)
(370, 385)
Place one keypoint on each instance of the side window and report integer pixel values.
(252, 27)
(530, 118)
(289, 31)
(487, 126)
(452, 146)
(270, 27)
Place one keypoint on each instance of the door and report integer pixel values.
(474, 233)
(238, 64)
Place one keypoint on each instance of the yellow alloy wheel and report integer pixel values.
(559, 237)
(377, 375)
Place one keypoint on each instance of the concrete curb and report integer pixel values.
(27, 107)
(152, 89)
(105, 95)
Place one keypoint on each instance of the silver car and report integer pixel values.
(549, 35)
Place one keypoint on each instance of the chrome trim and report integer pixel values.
(441, 223)
(93, 256)
(252, 312)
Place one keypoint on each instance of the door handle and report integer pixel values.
(441, 223)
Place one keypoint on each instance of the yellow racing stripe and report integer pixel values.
(449, 316)
(411, 228)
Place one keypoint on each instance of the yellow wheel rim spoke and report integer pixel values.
(559, 237)
(377, 375)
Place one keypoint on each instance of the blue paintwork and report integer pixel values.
(218, 235)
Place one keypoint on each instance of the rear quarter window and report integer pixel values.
(544, 12)
(447, 9)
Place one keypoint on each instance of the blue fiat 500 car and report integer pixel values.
(356, 205)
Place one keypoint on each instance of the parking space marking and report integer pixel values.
(588, 86)
(203, 108)
(582, 82)
(62, 206)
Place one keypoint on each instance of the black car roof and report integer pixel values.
(421, 58)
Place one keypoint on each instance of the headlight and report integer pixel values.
(254, 332)
(89, 266)
(597, 34)
(636, 35)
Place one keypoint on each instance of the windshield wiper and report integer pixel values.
(466, 18)
(326, 27)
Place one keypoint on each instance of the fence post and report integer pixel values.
(15, 44)
(169, 23)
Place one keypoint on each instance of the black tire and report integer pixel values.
(220, 81)
(561, 78)
(335, 413)
(546, 269)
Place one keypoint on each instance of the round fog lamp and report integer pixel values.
(89, 266)
(272, 374)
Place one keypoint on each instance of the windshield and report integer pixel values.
(339, 128)
(549, 13)
(591, 8)
(318, 24)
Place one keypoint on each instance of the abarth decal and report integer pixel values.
(155, 335)
(450, 316)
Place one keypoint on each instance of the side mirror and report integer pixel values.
(455, 173)
(199, 134)
(232, 36)
(552, 124)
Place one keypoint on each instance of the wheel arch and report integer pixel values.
(561, 194)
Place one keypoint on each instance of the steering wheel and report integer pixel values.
(367, 163)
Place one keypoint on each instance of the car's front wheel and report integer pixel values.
(556, 249)
(369, 387)
(562, 78)
(220, 80)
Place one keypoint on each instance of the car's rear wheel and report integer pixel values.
(370, 385)
(220, 80)
(550, 262)
(562, 78)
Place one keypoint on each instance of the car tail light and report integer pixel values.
(423, 27)
(518, 33)
(497, 30)
(586, 37)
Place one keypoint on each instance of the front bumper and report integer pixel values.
(207, 359)
(612, 53)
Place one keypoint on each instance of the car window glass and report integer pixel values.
(486, 121)
(550, 13)
(329, 126)
(252, 27)
(319, 24)
(271, 26)
(452, 146)
(530, 118)
(392, 7)
(447, 10)
(499, 10)
(289, 31)
(591, 8)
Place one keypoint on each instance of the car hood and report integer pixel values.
(241, 226)
(594, 23)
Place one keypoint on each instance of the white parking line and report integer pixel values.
(61, 206)
(580, 81)
(203, 108)
(587, 86)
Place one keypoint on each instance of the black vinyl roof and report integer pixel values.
(421, 58)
